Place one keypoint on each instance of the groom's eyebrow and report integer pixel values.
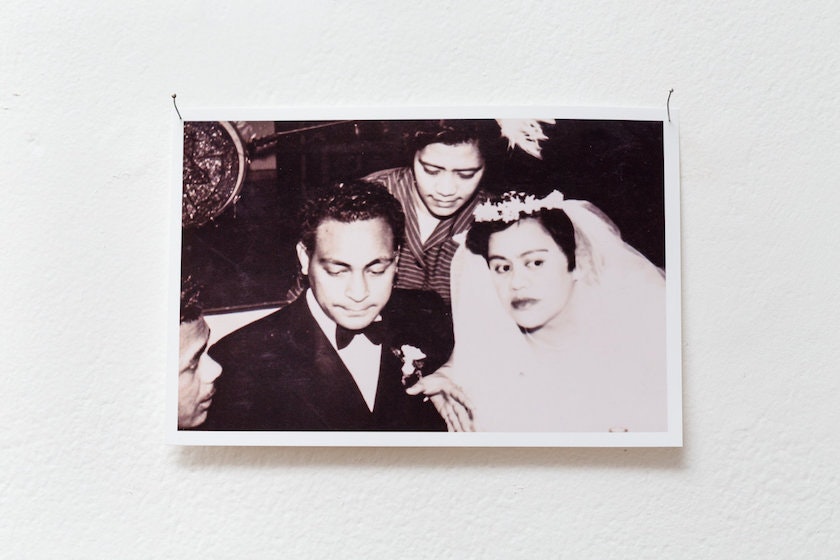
(380, 260)
(335, 262)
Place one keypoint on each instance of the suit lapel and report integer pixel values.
(322, 382)
(393, 408)
(390, 394)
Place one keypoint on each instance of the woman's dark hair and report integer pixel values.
(483, 132)
(554, 221)
(351, 202)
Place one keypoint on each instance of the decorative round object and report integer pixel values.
(214, 170)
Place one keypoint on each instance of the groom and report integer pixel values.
(335, 358)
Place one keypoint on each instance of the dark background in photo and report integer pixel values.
(245, 257)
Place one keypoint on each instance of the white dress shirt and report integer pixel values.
(361, 356)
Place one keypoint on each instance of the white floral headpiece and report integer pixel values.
(515, 204)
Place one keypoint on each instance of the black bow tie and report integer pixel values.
(375, 332)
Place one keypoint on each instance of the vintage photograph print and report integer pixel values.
(426, 277)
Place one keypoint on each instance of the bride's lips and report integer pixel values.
(523, 303)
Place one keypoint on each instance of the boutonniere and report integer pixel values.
(413, 360)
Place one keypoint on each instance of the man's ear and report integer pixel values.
(396, 267)
(303, 258)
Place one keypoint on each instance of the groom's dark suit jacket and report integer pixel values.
(282, 373)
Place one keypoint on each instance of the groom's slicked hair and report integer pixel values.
(351, 202)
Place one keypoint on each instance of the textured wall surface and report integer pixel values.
(86, 116)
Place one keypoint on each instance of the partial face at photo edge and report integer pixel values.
(196, 374)
(447, 176)
(351, 269)
(530, 273)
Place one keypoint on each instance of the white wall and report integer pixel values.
(86, 119)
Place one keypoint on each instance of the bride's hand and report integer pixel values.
(449, 400)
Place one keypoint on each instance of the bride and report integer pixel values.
(559, 324)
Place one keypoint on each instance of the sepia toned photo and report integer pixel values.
(434, 277)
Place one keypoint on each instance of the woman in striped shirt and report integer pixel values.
(438, 193)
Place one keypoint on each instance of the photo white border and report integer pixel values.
(670, 138)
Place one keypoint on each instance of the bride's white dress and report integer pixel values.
(602, 368)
